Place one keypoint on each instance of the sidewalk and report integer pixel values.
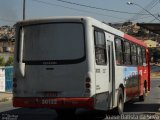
(155, 77)
(5, 96)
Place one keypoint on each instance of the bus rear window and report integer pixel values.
(54, 41)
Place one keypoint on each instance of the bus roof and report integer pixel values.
(52, 19)
(80, 18)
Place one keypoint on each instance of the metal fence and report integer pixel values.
(6, 79)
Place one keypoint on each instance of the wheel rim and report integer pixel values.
(144, 93)
(120, 106)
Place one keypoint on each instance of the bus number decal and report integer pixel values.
(98, 70)
(46, 101)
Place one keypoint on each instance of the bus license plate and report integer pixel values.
(48, 101)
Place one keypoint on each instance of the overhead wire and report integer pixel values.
(142, 10)
(79, 10)
(93, 7)
(149, 6)
(152, 20)
(152, 4)
(135, 19)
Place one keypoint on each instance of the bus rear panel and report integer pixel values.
(51, 67)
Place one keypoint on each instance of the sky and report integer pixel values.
(109, 11)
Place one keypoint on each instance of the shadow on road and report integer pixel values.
(50, 114)
(45, 114)
(134, 106)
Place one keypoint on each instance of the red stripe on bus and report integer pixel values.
(132, 39)
(54, 102)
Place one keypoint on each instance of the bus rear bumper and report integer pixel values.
(56, 103)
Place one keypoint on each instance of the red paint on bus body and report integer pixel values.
(143, 71)
(54, 102)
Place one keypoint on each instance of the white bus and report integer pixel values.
(77, 62)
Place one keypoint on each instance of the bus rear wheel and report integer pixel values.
(64, 114)
(120, 103)
(142, 97)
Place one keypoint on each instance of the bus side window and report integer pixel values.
(127, 53)
(100, 48)
(134, 54)
(119, 51)
(139, 55)
(144, 56)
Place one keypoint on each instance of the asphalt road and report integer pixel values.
(147, 110)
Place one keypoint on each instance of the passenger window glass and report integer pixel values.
(144, 55)
(127, 53)
(100, 48)
(133, 54)
(139, 55)
(119, 51)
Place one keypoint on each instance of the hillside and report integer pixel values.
(7, 37)
(7, 33)
(136, 31)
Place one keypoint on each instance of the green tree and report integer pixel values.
(2, 62)
(9, 61)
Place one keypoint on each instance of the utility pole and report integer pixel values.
(24, 9)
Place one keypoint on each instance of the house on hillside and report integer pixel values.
(151, 43)
(6, 46)
(7, 39)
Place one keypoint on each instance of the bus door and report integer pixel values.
(111, 72)
(104, 70)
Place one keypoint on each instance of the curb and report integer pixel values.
(5, 96)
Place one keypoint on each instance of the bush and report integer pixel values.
(9, 61)
(2, 62)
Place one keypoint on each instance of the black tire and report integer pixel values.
(63, 114)
(142, 97)
(120, 103)
(99, 115)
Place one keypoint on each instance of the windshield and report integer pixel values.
(56, 41)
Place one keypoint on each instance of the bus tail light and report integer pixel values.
(88, 83)
(88, 80)
(87, 86)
